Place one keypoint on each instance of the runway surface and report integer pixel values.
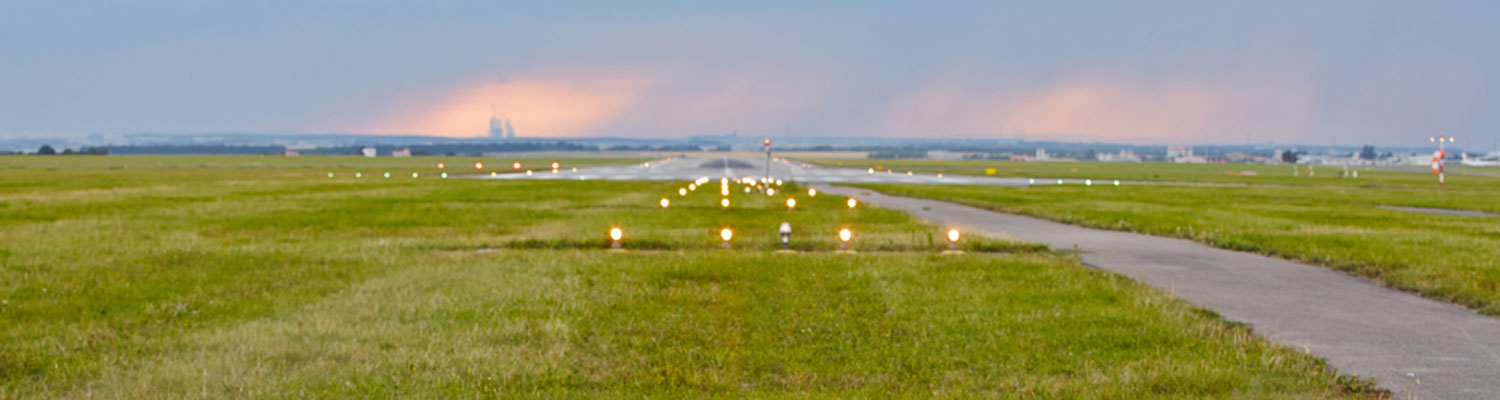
(1410, 344)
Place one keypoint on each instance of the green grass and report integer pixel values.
(221, 277)
(1322, 220)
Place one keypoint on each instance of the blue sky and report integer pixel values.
(1387, 73)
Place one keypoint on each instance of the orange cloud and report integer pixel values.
(538, 106)
(1105, 108)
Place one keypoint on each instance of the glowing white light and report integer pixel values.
(493, 174)
(665, 202)
(1059, 181)
(770, 191)
(615, 233)
(414, 175)
(726, 234)
(440, 165)
(791, 203)
(478, 165)
(1088, 182)
(445, 175)
(388, 175)
(528, 172)
(359, 174)
(724, 202)
(940, 175)
(747, 190)
(330, 174)
(723, 181)
(845, 235)
(682, 191)
(852, 203)
(575, 169)
(778, 182)
(953, 235)
(812, 192)
(1031, 181)
(869, 170)
(908, 173)
(555, 165)
(693, 187)
(724, 191)
(515, 165)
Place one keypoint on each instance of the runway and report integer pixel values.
(687, 169)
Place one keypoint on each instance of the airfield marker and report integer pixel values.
(852, 203)
(358, 175)
(844, 237)
(952, 240)
(330, 174)
(445, 175)
(1088, 182)
(726, 234)
(440, 165)
(682, 191)
(664, 203)
(724, 202)
(1117, 182)
(786, 234)
(414, 175)
(478, 165)
(528, 172)
(387, 175)
(614, 237)
(812, 192)
(791, 204)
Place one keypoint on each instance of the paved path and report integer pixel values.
(1359, 327)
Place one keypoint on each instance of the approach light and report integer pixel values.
(724, 191)
(869, 170)
(724, 202)
(908, 172)
(515, 165)
(953, 239)
(786, 234)
(614, 237)
(812, 192)
(414, 175)
(1031, 181)
(723, 181)
(388, 175)
(555, 165)
(665, 202)
(693, 187)
(1059, 181)
(778, 182)
(493, 174)
(478, 165)
(844, 236)
(330, 174)
(747, 190)
(445, 175)
(358, 175)
(682, 191)
(575, 169)
(852, 203)
(791, 204)
(770, 191)
(528, 172)
(1117, 182)
(440, 165)
(726, 234)
(1088, 182)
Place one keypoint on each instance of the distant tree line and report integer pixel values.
(47, 150)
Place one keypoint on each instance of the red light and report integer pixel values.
(440, 165)
(768, 142)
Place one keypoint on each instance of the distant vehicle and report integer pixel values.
(1486, 161)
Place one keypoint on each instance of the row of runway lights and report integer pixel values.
(1031, 181)
(845, 235)
(477, 166)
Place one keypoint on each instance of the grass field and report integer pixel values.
(1322, 220)
(262, 277)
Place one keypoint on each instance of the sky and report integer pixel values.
(1293, 72)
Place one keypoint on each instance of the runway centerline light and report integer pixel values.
(665, 202)
(852, 203)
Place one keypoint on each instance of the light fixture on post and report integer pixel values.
(615, 234)
(812, 192)
(791, 204)
(682, 191)
(440, 165)
(725, 235)
(845, 235)
(852, 203)
(724, 203)
(953, 237)
(665, 203)
(770, 191)
(515, 165)
(786, 235)
(478, 165)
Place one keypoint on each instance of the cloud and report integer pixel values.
(1107, 107)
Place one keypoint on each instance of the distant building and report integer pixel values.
(1125, 155)
(367, 151)
(510, 131)
(1177, 151)
(406, 152)
(292, 153)
(1041, 154)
